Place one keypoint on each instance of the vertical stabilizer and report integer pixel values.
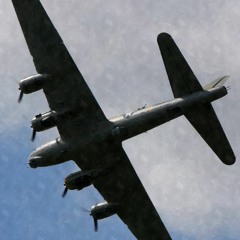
(216, 83)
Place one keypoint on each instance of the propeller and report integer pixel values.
(65, 192)
(33, 135)
(95, 224)
(95, 220)
(20, 96)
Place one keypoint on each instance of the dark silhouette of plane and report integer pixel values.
(93, 141)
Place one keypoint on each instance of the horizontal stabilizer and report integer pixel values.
(183, 82)
(205, 121)
(180, 75)
(216, 83)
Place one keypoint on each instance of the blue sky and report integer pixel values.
(114, 45)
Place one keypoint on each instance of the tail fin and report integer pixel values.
(216, 83)
(184, 82)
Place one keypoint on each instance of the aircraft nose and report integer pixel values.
(33, 162)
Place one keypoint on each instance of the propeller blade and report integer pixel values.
(95, 224)
(20, 97)
(33, 135)
(65, 192)
(85, 210)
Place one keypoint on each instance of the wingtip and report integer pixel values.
(229, 160)
(163, 36)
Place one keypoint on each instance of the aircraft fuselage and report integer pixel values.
(121, 128)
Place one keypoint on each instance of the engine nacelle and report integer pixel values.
(103, 210)
(33, 83)
(78, 180)
(44, 121)
(81, 179)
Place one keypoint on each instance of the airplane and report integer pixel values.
(95, 142)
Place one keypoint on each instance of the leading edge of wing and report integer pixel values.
(124, 187)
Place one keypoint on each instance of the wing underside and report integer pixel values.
(66, 92)
(124, 187)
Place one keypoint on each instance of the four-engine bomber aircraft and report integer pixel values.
(93, 141)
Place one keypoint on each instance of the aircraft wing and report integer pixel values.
(66, 91)
(122, 186)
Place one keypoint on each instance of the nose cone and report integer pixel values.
(33, 162)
